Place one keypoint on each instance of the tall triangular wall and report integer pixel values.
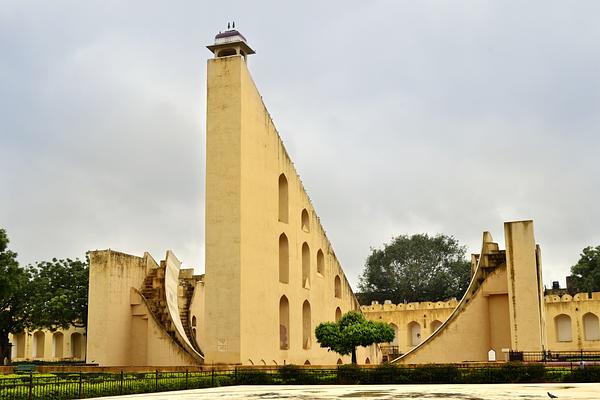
(271, 273)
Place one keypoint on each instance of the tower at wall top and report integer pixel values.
(230, 43)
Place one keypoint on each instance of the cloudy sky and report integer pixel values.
(401, 117)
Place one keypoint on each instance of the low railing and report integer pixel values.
(64, 385)
(555, 356)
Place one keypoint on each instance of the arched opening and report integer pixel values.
(57, 345)
(435, 324)
(338, 314)
(320, 262)
(305, 266)
(305, 221)
(306, 325)
(562, 324)
(193, 321)
(20, 343)
(591, 328)
(283, 198)
(414, 333)
(306, 362)
(38, 344)
(227, 53)
(367, 361)
(396, 340)
(284, 323)
(337, 287)
(339, 361)
(76, 345)
(284, 259)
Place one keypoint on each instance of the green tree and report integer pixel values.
(416, 268)
(350, 331)
(60, 293)
(586, 273)
(13, 296)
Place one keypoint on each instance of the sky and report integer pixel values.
(401, 117)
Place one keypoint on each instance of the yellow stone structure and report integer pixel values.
(502, 310)
(45, 345)
(572, 322)
(271, 275)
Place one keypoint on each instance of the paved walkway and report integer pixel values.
(587, 391)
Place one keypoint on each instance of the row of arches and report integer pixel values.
(284, 324)
(283, 213)
(413, 332)
(58, 350)
(284, 264)
(564, 332)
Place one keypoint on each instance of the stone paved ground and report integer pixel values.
(587, 391)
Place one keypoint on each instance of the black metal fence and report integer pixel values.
(85, 385)
(555, 356)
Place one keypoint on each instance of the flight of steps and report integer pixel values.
(153, 290)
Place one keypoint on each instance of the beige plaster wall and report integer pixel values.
(525, 288)
(112, 275)
(245, 157)
(402, 315)
(504, 292)
(24, 343)
(575, 307)
(121, 330)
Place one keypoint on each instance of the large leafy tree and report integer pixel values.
(60, 293)
(586, 273)
(351, 331)
(416, 268)
(14, 310)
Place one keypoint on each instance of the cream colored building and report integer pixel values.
(572, 322)
(481, 322)
(271, 273)
(502, 310)
(60, 345)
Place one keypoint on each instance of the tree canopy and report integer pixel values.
(59, 293)
(350, 331)
(14, 312)
(51, 294)
(586, 273)
(416, 268)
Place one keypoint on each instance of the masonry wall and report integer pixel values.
(244, 224)
(112, 275)
(121, 330)
(42, 344)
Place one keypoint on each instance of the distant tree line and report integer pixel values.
(48, 295)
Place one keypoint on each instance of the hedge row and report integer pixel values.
(73, 385)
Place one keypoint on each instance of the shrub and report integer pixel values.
(349, 374)
(587, 374)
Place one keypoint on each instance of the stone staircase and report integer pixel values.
(153, 290)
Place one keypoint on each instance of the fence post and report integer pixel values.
(30, 385)
(186, 378)
(212, 378)
(80, 384)
(235, 381)
(121, 386)
(156, 381)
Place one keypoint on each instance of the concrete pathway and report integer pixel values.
(587, 391)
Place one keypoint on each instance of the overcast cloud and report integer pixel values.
(401, 117)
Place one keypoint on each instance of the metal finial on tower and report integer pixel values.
(228, 25)
(233, 25)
